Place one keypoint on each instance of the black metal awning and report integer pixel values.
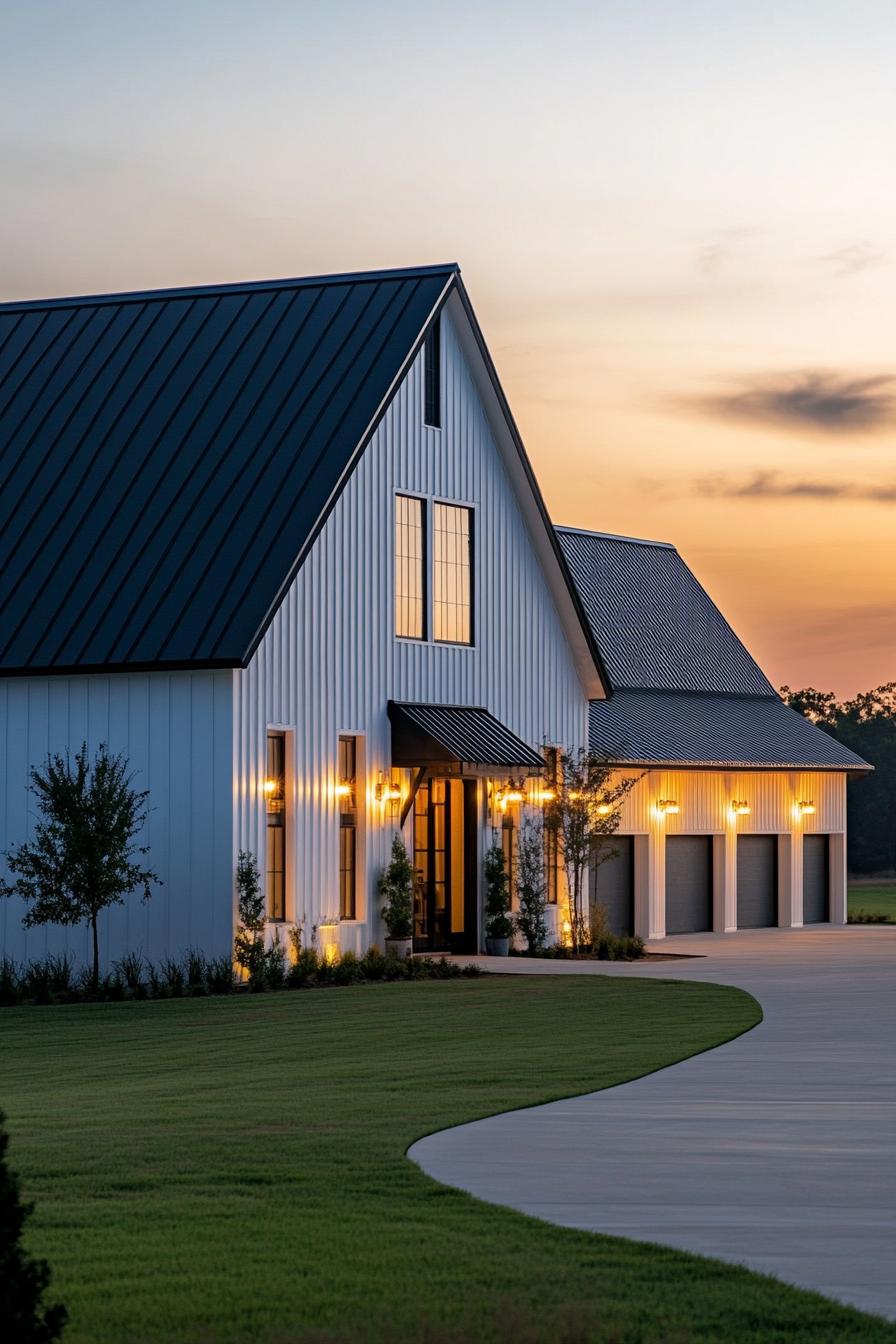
(457, 740)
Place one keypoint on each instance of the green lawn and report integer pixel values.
(222, 1170)
(877, 897)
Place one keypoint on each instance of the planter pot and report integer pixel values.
(399, 947)
(497, 947)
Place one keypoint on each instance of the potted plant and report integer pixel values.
(498, 924)
(396, 887)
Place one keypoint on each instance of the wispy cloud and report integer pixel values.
(810, 399)
(764, 485)
(852, 258)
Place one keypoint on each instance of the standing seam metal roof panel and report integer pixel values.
(740, 732)
(655, 626)
(164, 457)
(469, 733)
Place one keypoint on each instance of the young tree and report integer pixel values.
(531, 885)
(396, 889)
(23, 1280)
(584, 814)
(83, 857)
(248, 941)
(498, 923)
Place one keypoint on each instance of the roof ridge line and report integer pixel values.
(615, 536)
(227, 287)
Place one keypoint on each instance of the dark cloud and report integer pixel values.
(772, 485)
(831, 402)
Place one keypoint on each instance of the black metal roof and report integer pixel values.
(651, 728)
(167, 457)
(655, 626)
(456, 735)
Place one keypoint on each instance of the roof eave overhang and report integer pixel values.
(623, 763)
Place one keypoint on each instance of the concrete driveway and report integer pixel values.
(776, 1151)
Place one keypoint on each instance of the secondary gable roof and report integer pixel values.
(166, 457)
(656, 627)
(685, 691)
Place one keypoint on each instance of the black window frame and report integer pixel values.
(470, 511)
(347, 768)
(276, 829)
(432, 374)
(424, 566)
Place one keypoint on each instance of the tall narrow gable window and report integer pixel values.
(410, 568)
(432, 375)
(348, 827)
(551, 838)
(275, 804)
(452, 590)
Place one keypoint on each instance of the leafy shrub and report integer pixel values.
(275, 965)
(303, 972)
(219, 975)
(10, 983)
(195, 970)
(373, 964)
(172, 975)
(23, 1280)
(498, 923)
(132, 969)
(396, 889)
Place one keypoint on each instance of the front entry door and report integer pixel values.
(445, 865)
(432, 866)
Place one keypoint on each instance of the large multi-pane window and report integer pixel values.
(551, 839)
(410, 567)
(348, 827)
(452, 574)
(275, 803)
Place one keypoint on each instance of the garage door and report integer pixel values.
(688, 884)
(816, 880)
(613, 887)
(757, 881)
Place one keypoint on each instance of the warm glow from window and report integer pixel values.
(410, 578)
(451, 574)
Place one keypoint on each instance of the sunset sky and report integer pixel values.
(676, 220)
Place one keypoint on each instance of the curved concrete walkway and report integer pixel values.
(777, 1150)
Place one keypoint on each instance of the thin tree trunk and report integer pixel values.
(96, 955)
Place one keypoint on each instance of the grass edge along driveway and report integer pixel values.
(234, 1170)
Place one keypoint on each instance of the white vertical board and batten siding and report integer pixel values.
(329, 662)
(176, 729)
(704, 798)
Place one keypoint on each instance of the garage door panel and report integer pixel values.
(688, 884)
(613, 887)
(757, 881)
(816, 879)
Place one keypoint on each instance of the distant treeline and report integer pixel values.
(867, 724)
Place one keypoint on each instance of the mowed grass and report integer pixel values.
(877, 898)
(234, 1169)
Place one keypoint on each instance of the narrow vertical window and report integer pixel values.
(347, 790)
(275, 801)
(410, 568)
(452, 579)
(432, 375)
(551, 839)
(508, 844)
